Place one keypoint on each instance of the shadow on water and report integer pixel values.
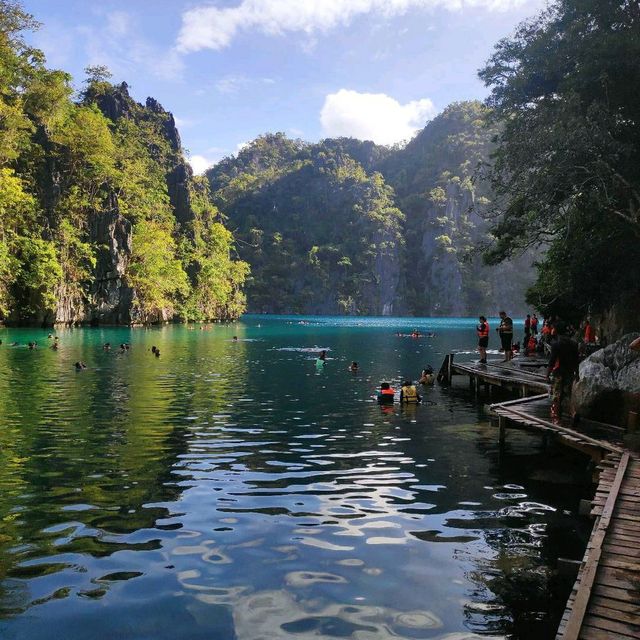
(235, 490)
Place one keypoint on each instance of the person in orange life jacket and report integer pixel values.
(409, 393)
(386, 394)
(563, 366)
(505, 330)
(483, 338)
(532, 346)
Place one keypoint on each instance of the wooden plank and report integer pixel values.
(591, 633)
(616, 578)
(631, 551)
(588, 573)
(602, 610)
(621, 628)
(620, 563)
(611, 593)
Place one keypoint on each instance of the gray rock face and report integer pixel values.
(609, 385)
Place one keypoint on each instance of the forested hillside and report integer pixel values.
(101, 219)
(321, 234)
(346, 226)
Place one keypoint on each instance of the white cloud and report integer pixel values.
(208, 27)
(200, 164)
(373, 116)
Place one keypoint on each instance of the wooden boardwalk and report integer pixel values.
(592, 438)
(520, 375)
(605, 601)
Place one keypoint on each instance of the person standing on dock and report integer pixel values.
(505, 330)
(483, 339)
(563, 366)
(534, 325)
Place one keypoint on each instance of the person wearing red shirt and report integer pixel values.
(589, 333)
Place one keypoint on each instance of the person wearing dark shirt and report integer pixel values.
(505, 330)
(563, 367)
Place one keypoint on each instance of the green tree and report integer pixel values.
(566, 172)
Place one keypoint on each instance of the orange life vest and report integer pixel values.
(483, 330)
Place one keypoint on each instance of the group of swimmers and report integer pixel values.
(415, 334)
(386, 395)
(408, 390)
(34, 345)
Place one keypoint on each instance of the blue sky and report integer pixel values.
(230, 70)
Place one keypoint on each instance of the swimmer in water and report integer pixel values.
(80, 365)
(106, 346)
(427, 377)
(409, 393)
(353, 367)
(235, 338)
(386, 394)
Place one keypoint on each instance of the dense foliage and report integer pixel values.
(93, 223)
(314, 225)
(566, 171)
(353, 227)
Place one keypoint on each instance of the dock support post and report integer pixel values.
(632, 422)
(502, 428)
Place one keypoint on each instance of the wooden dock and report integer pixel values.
(592, 438)
(521, 375)
(605, 601)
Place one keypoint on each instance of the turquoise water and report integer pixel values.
(237, 490)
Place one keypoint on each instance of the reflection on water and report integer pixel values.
(232, 489)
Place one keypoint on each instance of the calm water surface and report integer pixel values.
(235, 490)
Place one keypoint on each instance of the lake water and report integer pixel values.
(237, 490)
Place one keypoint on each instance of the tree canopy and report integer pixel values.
(96, 191)
(566, 173)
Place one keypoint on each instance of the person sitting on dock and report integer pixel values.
(483, 338)
(427, 377)
(563, 366)
(386, 394)
(409, 393)
(506, 335)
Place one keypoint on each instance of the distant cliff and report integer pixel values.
(321, 234)
(346, 226)
(101, 219)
